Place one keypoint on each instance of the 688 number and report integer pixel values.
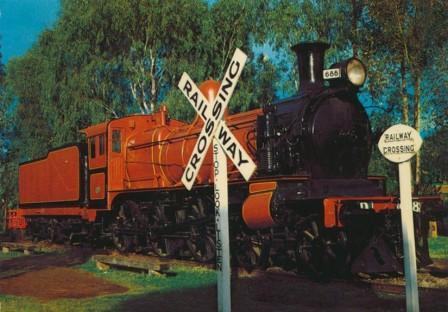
(332, 73)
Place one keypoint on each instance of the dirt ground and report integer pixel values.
(70, 257)
(58, 282)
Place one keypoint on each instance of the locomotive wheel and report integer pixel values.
(247, 254)
(40, 230)
(201, 245)
(55, 233)
(343, 255)
(421, 243)
(158, 246)
(128, 219)
(313, 251)
(122, 242)
(157, 222)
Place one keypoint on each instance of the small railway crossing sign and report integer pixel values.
(211, 111)
(399, 144)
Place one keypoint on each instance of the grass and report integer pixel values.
(438, 247)
(9, 255)
(185, 278)
(138, 284)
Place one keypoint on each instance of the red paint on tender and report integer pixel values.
(52, 179)
(84, 213)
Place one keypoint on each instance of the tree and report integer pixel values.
(102, 60)
(8, 162)
(415, 32)
(335, 22)
(33, 132)
(434, 153)
(227, 25)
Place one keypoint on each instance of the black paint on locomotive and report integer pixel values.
(324, 132)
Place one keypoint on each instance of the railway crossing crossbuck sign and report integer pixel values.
(224, 143)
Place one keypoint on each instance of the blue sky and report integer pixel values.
(21, 22)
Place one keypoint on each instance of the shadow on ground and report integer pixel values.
(70, 257)
(274, 293)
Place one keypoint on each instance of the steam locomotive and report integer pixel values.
(309, 206)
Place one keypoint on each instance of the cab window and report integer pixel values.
(92, 147)
(116, 141)
(102, 144)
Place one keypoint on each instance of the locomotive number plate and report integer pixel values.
(416, 206)
(332, 73)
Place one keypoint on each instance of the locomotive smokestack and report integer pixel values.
(310, 59)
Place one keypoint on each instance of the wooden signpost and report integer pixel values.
(399, 144)
(224, 143)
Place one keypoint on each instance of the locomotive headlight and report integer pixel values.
(356, 72)
(352, 71)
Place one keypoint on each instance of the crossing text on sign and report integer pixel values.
(398, 149)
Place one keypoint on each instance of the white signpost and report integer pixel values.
(224, 143)
(399, 144)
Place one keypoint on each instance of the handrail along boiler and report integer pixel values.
(309, 206)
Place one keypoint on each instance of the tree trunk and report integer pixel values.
(153, 97)
(134, 94)
(5, 214)
(404, 95)
(356, 12)
(417, 127)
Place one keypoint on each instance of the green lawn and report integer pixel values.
(11, 254)
(138, 284)
(438, 247)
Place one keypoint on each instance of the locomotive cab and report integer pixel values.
(96, 165)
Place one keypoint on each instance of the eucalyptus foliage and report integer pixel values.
(105, 59)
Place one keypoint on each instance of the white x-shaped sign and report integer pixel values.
(214, 126)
